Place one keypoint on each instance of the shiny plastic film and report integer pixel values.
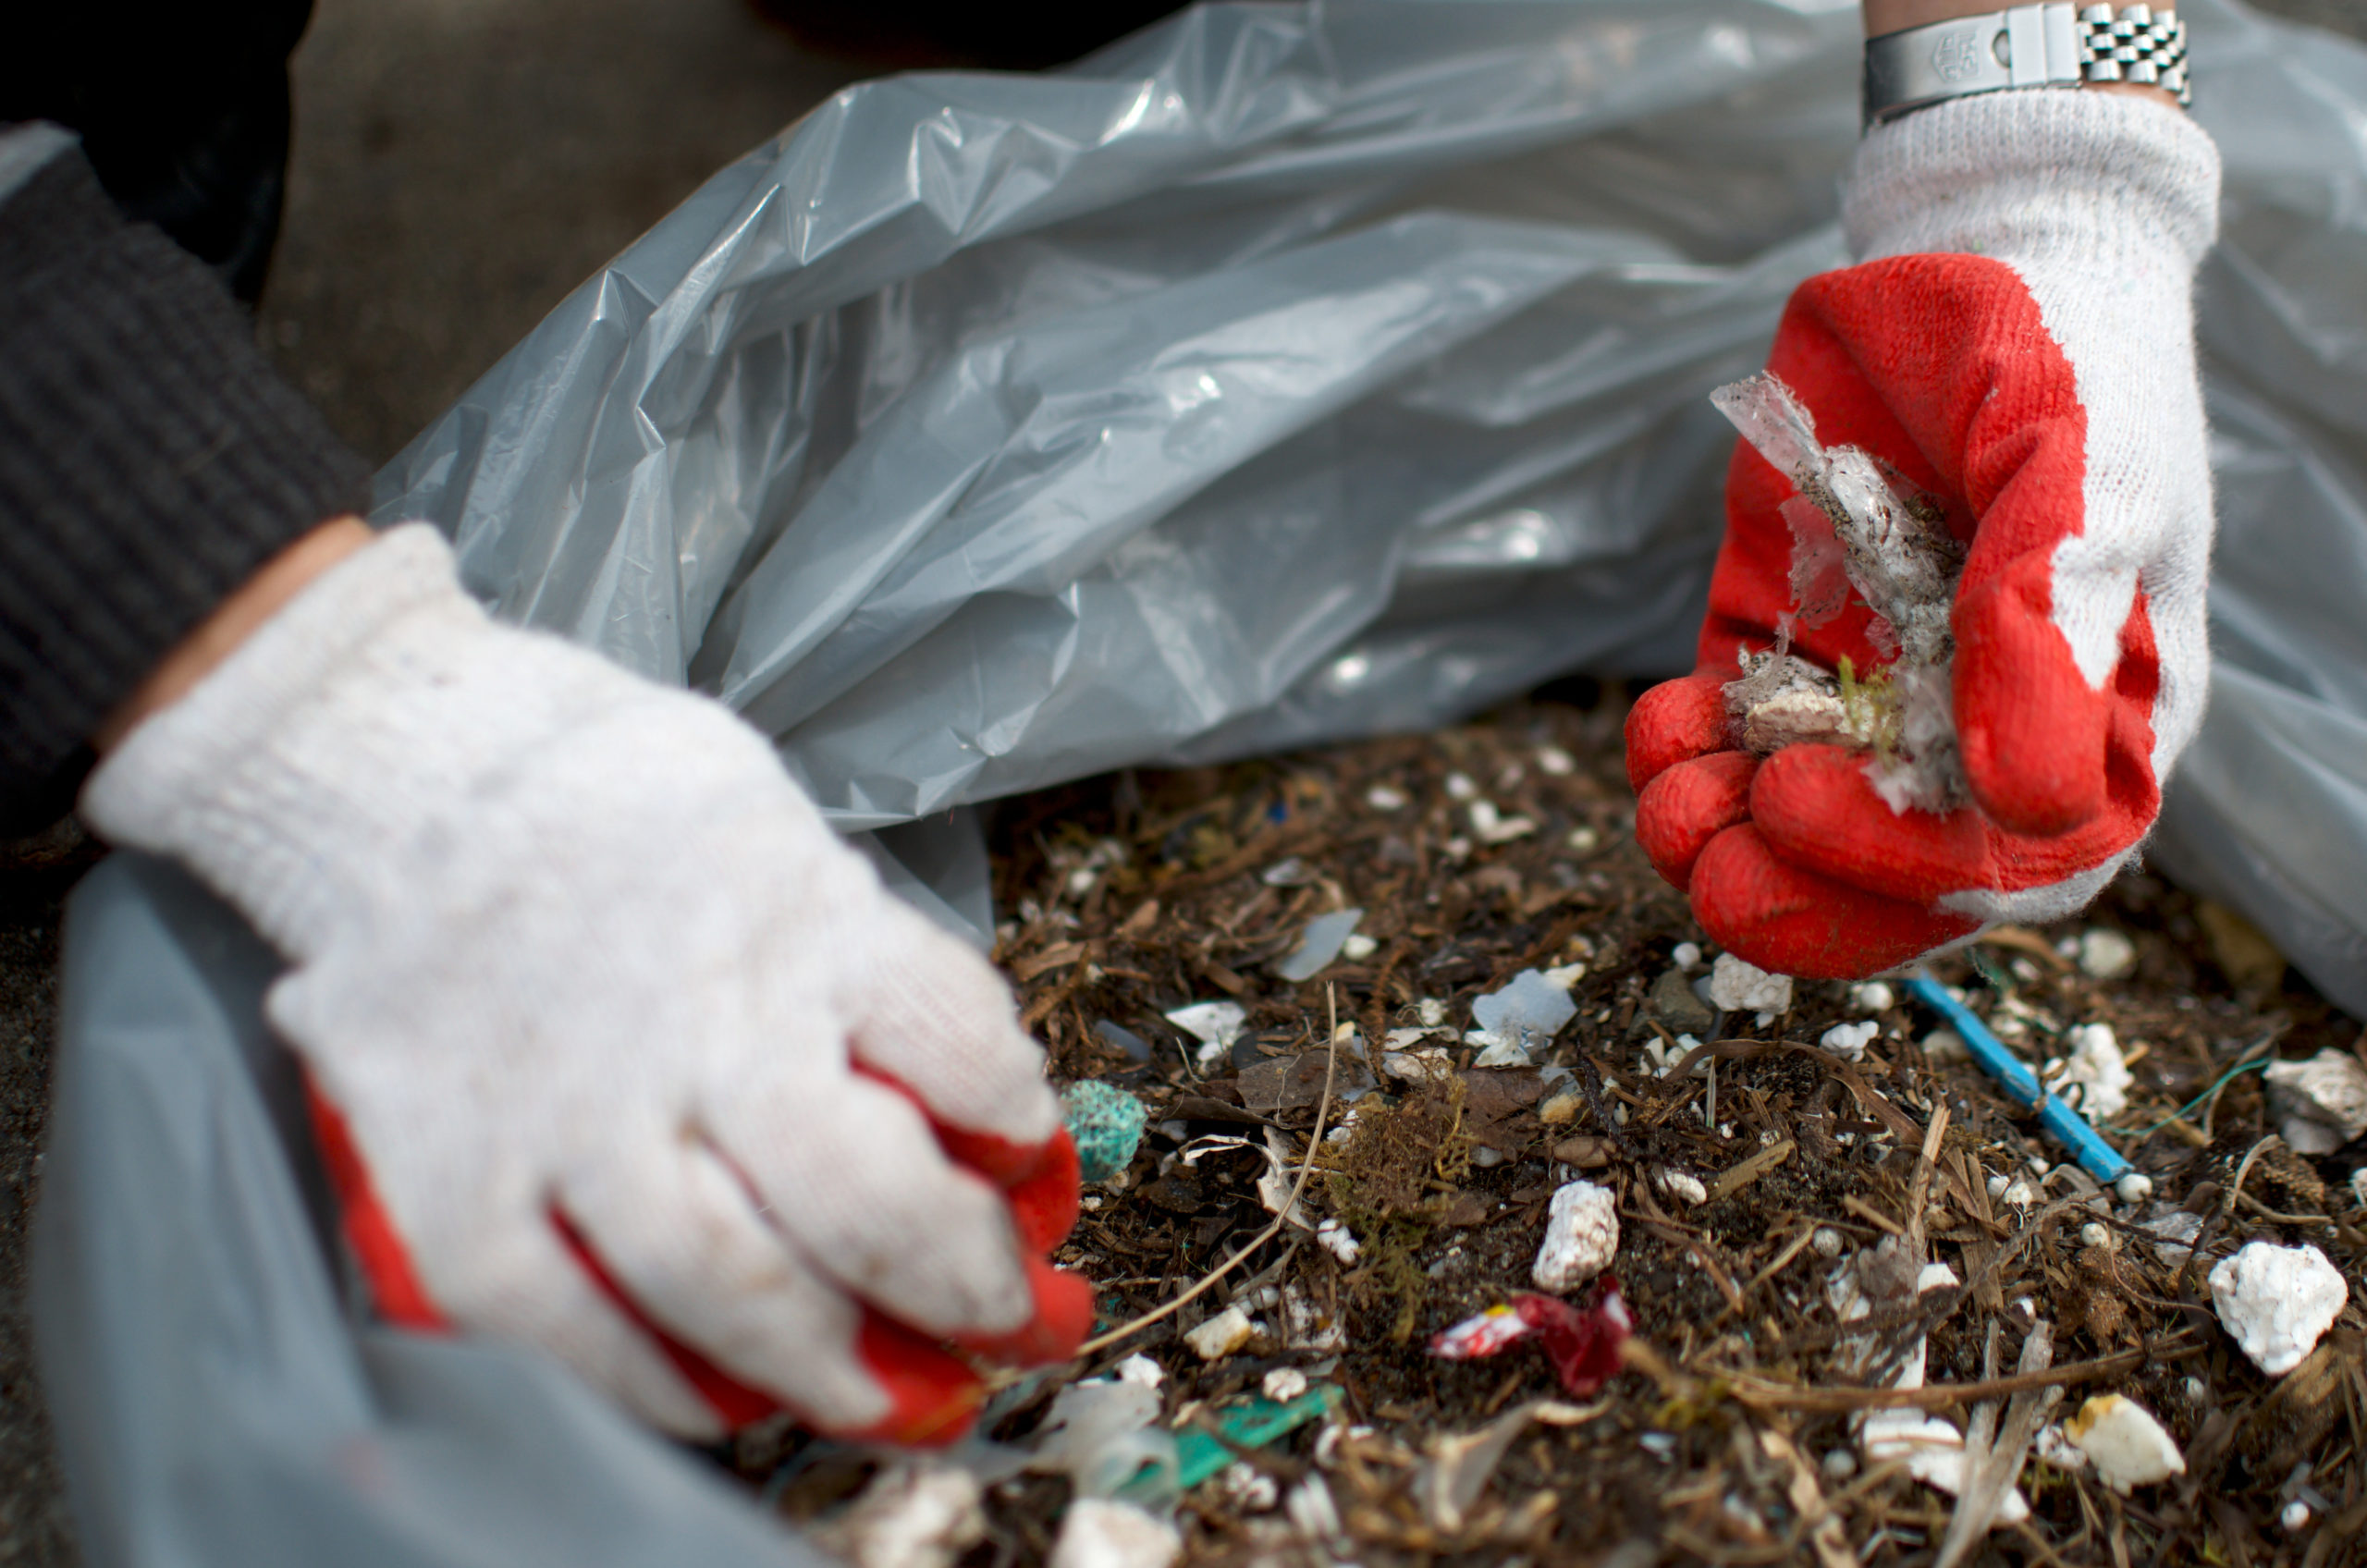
(1283, 373)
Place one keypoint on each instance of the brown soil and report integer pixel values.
(1136, 893)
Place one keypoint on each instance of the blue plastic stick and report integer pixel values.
(2096, 1158)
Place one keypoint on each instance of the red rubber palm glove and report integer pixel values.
(2020, 347)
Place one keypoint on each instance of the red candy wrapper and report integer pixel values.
(1582, 1341)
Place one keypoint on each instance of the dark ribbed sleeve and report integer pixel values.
(149, 462)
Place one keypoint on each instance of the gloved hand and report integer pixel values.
(2018, 344)
(616, 1049)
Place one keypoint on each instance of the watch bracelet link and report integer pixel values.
(2043, 45)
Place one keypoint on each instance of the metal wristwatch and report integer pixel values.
(2052, 45)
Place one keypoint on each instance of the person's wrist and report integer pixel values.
(232, 622)
(1885, 17)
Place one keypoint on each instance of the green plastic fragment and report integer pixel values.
(1253, 1423)
(1107, 1124)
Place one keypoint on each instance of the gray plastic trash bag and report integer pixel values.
(1281, 373)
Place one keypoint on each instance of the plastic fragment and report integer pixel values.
(1321, 942)
(1849, 1041)
(1852, 530)
(1250, 1490)
(1125, 1039)
(1284, 1384)
(2276, 1301)
(1521, 1017)
(2105, 954)
(2127, 1445)
(2058, 1450)
(1107, 1124)
(1581, 1340)
(1581, 1236)
(1104, 1434)
(911, 1516)
(1738, 986)
(2094, 1077)
(1384, 797)
(1251, 1424)
(1142, 1371)
(2330, 1090)
(2096, 1158)
(1217, 1025)
(1358, 948)
(1105, 1533)
(1221, 1335)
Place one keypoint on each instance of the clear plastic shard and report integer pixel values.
(1857, 526)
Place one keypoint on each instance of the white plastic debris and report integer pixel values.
(2105, 953)
(1431, 1011)
(1827, 1242)
(1933, 1452)
(1491, 826)
(1102, 1434)
(2128, 1448)
(1738, 986)
(1221, 1335)
(2018, 1193)
(1561, 977)
(2330, 1089)
(1339, 1241)
(2093, 1077)
(1555, 761)
(1141, 1371)
(1104, 1533)
(1839, 1463)
(1217, 1025)
(1849, 1041)
(1522, 1017)
(2294, 1516)
(1460, 787)
(1581, 1236)
(1251, 1490)
(1358, 948)
(1684, 1186)
(2057, 1450)
(2278, 1300)
(1872, 996)
(1321, 942)
(1284, 1384)
(911, 1516)
(2135, 1187)
(1687, 956)
(2176, 1230)
(1312, 1511)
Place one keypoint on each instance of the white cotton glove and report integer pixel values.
(2018, 344)
(570, 952)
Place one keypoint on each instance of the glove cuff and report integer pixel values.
(297, 744)
(2106, 178)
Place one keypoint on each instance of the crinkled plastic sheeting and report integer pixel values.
(1277, 374)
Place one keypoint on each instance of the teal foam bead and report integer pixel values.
(1107, 1124)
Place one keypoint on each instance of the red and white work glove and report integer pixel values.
(2019, 344)
(615, 1047)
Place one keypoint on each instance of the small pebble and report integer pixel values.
(1460, 787)
(1946, 1046)
(1840, 1463)
(1555, 761)
(1997, 1185)
(1358, 948)
(1383, 797)
(1586, 841)
(1687, 956)
(1487, 1158)
(1685, 1187)
(1284, 1384)
(2135, 1187)
(1828, 1243)
(2295, 1516)
(1142, 1371)
(2096, 1234)
(2276, 1301)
